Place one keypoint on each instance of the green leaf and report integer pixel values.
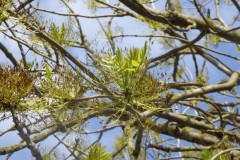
(123, 65)
(135, 63)
(30, 64)
(21, 63)
(97, 153)
(46, 157)
(48, 75)
(130, 69)
(107, 61)
(233, 91)
(142, 54)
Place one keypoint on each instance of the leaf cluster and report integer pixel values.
(97, 153)
(64, 34)
(4, 5)
(15, 84)
(127, 72)
(61, 85)
(124, 69)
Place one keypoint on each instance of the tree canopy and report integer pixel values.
(156, 79)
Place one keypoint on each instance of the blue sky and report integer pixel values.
(89, 27)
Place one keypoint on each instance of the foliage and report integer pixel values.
(97, 153)
(125, 70)
(4, 5)
(201, 78)
(128, 73)
(65, 81)
(55, 155)
(60, 85)
(208, 154)
(15, 84)
(63, 34)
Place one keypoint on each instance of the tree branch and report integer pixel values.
(30, 144)
(183, 20)
(9, 55)
(209, 89)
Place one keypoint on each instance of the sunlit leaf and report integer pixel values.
(135, 63)
(48, 75)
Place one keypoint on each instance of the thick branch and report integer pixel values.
(182, 20)
(210, 88)
(184, 133)
(177, 149)
(187, 121)
(137, 148)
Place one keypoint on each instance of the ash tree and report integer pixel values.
(155, 79)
